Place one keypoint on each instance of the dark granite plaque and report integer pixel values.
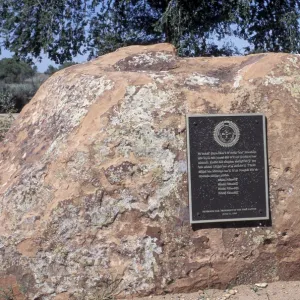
(227, 163)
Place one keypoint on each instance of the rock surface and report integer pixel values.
(93, 183)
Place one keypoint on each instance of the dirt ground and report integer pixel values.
(274, 291)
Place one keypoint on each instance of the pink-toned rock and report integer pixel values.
(93, 183)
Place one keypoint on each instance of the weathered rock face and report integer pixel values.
(93, 183)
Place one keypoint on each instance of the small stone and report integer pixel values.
(232, 292)
(166, 145)
(261, 285)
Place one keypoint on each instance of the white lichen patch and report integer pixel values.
(78, 167)
(274, 80)
(137, 126)
(164, 56)
(182, 166)
(28, 194)
(294, 89)
(72, 101)
(162, 77)
(143, 265)
(148, 59)
(68, 259)
(291, 65)
(79, 262)
(199, 79)
(110, 208)
(294, 61)
(76, 102)
(237, 80)
(259, 239)
(140, 102)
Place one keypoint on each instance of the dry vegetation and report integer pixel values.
(5, 123)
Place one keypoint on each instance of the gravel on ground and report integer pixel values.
(261, 291)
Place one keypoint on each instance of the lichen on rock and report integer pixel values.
(93, 182)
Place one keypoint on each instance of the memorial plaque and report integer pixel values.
(227, 163)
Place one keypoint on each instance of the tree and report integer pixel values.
(57, 27)
(272, 25)
(51, 70)
(66, 65)
(15, 71)
(64, 28)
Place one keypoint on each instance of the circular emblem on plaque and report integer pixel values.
(226, 134)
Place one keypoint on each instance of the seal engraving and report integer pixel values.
(226, 134)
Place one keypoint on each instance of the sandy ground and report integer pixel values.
(274, 291)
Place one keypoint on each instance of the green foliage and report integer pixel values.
(6, 103)
(18, 83)
(51, 70)
(66, 65)
(272, 25)
(65, 28)
(14, 71)
(57, 27)
(21, 93)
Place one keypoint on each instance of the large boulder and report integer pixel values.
(93, 183)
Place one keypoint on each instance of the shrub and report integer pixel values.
(6, 100)
(13, 96)
(5, 124)
(13, 70)
(21, 94)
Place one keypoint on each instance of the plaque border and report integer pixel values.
(267, 217)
